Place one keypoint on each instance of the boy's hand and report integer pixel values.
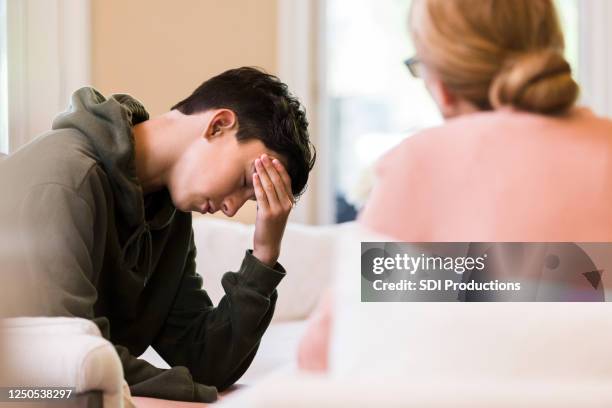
(274, 203)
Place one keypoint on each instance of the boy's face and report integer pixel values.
(215, 174)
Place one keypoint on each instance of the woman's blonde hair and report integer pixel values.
(496, 53)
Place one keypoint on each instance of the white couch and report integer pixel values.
(402, 354)
(407, 354)
(74, 353)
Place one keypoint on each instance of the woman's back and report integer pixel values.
(499, 176)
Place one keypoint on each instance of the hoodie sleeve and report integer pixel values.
(217, 344)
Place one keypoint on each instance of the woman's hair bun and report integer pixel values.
(537, 81)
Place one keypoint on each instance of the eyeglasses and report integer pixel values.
(414, 66)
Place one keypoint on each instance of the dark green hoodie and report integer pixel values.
(86, 243)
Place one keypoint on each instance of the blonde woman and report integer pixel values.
(516, 160)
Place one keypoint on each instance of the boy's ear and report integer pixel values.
(222, 121)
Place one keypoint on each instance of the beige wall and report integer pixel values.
(160, 50)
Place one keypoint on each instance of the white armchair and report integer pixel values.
(63, 352)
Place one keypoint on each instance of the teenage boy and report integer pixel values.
(98, 211)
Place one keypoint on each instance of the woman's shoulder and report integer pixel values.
(508, 120)
(493, 132)
(504, 125)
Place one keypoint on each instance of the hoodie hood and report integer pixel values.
(107, 124)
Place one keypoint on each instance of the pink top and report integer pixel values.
(498, 176)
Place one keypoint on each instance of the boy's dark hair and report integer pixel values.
(265, 110)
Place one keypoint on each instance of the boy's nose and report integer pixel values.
(231, 205)
(228, 210)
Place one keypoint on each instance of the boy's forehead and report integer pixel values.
(272, 155)
(256, 148)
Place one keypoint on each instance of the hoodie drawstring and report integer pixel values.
(137, 252)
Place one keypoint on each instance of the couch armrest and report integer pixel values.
(61, 352)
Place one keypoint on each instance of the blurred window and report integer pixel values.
(372, 101)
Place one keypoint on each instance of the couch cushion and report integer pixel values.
(307, 254)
